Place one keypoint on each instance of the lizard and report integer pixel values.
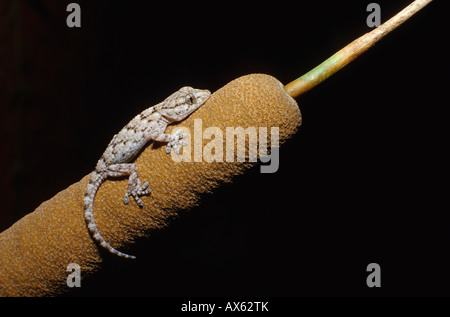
(116, 161)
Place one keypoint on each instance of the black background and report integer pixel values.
(363, 181)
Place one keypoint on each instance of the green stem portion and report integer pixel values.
(315, 76)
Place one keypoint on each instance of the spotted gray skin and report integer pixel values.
(149, 125)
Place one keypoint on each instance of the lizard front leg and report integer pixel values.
(174, 141)
(135, 186)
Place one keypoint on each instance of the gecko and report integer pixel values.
(116, 161)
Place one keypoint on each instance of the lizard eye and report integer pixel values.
(189, 99)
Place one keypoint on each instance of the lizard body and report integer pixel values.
(149, 125)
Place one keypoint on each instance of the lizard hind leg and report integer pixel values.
(135, 186)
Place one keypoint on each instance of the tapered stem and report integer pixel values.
(351, 51)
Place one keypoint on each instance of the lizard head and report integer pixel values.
(182, 103)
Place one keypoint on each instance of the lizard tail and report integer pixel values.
(94, 183)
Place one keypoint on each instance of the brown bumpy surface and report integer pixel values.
(35, 251)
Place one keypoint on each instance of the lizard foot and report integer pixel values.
(135, 189)
(176, 142)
